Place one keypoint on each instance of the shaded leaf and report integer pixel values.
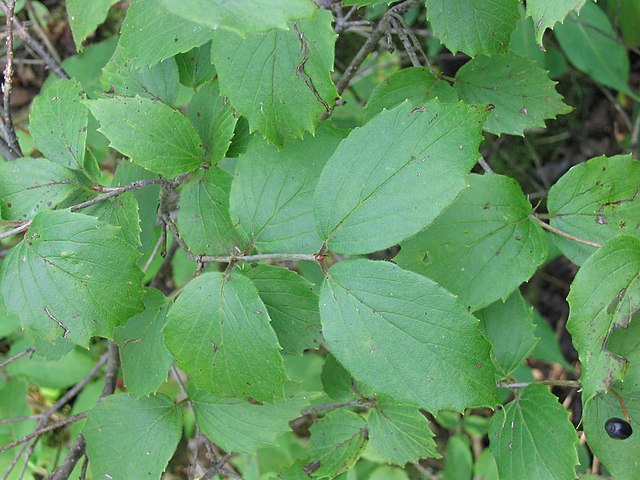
(521, 92)
(405, 336)
(336, 380)
(244, 17)
(214, 119)
(399, 433)
(589, 42)
(239, 426)
(204, 221)
(406, 161)
(132, 438)
(195, 66)
(458, 463)
(84, 17)
(533, 439)
(485, 234)
(509, 328)
(144, 358)
(292, 306)
(278, 101)
(596, 201)
(337, 441)
(473, 26)
(152, 134)
(219, 333)
(272, 192)
(72, 275)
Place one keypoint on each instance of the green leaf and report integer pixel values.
(509, 327)
(589, 42)
(132, 438)
(621, 457)
(235, 352)
(546, 13)
(272, 192)
(244, 18)
(159, 81)
(458, 462)
(72, 276)
(596, 201)
(416, 84)
(521, 92)
(152, 134)
(473, 26)
(147, 198)
(548, 348)
(239, 426)
(204, 221)
(399, 433)
(84, 17)
(214, 119)
(533, 439)
(292, 306)
(120, 211)
(278, 100)
(146, 43)
(405, 336)
(86, 66)
(604, 295)
(337, 441)
(485, 234)
(13, 404)
(145, 360)
(195, 66)
(485, 466)
(30, 185)
(407, 163)
(58, 123)
(336, 380)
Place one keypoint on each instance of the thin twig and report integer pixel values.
(485, 166)
(62, 401)
(27, 351)
(35, 23)
(312, 257)
(566, 235)
(332, 406)
(553, 383)
(12, 139)
(397, 23)
(370, 45)
(26, 418)
(43, 430)
(110, 193)
(21, 31)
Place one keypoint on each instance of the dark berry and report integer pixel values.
(618, 428)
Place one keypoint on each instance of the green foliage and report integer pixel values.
(141, 433)
(302, 288)
(236, 352)
(400, 333)
(520, 439)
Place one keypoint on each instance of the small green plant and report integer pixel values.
(192, 215)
